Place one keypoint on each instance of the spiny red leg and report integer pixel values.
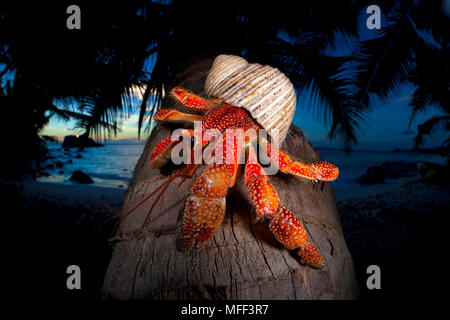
(191, 100)
(162, 151)
(172, 115)
(285, 226)
(205, 207)
(263, 194)
(160, 156)
(291, 233)
(318, 170)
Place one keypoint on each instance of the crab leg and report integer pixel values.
(318, 170)
(162, 151)
(284, 225)
(172, 115)
(191, 100)
(205, 207)
(264, 196)
(160, 156)
(289, 231)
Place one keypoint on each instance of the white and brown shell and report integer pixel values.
(263, 91)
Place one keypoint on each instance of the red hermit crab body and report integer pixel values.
(236, 143)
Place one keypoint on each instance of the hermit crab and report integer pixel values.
(248, 98)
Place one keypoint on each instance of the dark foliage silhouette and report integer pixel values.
(93, 75)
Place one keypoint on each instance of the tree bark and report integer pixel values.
(243, 260)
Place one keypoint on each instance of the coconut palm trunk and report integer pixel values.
(243, 260)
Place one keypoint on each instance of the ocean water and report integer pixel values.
(113, 165)
(353, 165)
(109, 166)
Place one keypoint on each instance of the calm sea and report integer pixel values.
(355, 164)
(109, 166)
(113, 165)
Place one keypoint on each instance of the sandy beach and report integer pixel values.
(73, 194)
(399, 230)
(62, 225)
(403, 231)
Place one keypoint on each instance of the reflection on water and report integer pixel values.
(113, 165)
(109, 166)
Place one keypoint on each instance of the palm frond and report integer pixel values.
(431, 80)
(67, 115)
(102, 113)
(385, 62)
(432, 125)
(330, 81)
(431, 16)
(154, 92)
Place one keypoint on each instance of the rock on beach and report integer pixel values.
(80, 177)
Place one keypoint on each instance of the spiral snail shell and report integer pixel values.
(262, 90)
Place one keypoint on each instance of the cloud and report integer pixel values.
(133, 118)
(404, 98)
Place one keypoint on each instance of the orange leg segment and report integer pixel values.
(191, 100)
(172, 115)
(263, 194)
(205, 207)
(285, 226)
(162, 151)
(318, 170)
(291, 233)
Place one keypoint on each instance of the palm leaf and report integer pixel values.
(431, 80)
(329, 79)
(430, 126)
(385, 62)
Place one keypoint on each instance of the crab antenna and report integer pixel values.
(164, 186)
(157, 198)
(190, 174)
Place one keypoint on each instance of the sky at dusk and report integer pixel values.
(387, 126)
(386, 129)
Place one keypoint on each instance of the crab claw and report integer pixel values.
(204, 208)
(201, 219)
(318, 170)
(325, 171)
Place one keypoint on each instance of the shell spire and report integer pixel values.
(262, 90)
